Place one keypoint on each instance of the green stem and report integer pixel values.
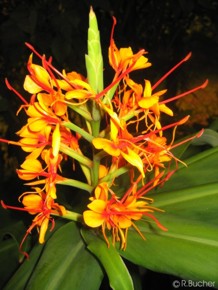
(79, 130)
(110, 94)
(77, 184)
(73, 216)
(115, 174)
(95, 171)
(82, 111)
(75, 155)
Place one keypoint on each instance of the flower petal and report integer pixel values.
(133, 159)
(107, 145)
(97, 205)
(92, 219)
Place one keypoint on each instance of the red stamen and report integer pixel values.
(198, 135)
(156, 221)
(121, 76)
(16, 92)
(149, 186)
(46, 66)
(185, 93)
(49, 63)
(146, 136)
(171, 70)
(111, 38)
(9, 142)
(18, 208)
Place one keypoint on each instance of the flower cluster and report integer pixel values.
(121, 125)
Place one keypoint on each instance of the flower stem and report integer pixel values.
(75, 155)
(70, 215)
(77, 184)
(79, 130)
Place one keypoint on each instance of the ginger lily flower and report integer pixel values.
(39, 204)
(118, 215)
(121, 146)
(124, 58)
(144, 100)
(42, 82)
(32, 169)
(34, 142)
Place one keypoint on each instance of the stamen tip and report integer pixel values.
(184, 120)
(188, 56)
(7, 84)
(3, 205)
(29, 45)
(205, 84)
(114, 20)
(200, 133)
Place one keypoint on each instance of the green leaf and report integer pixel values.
(113, 264)
(201, 169)
(9, 259)
(19, 280)
(188, 250)
(208, 137)
(194, 203)
(66, 264)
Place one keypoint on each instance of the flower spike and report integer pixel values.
(106, 131)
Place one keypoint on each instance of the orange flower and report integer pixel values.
(53, 164)
(124, 58)
(34, 142)
(144, 100)
(121, 145)
(157, 154)
(118, 215)
(39, 204)
(32, 169)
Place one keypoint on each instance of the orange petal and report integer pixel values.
(30, 86)
(107, 145)
(56, 140)
(124, 222)
(32, 165)
(37, 125)
(134, 159)
(97, 205)
(32, 203)
(148, 102)
(43, 229)
(163, 108)
(92, 219)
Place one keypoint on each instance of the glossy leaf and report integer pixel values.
(190, 199)
(201, 169)
(21, 277)
(9, 259)
(66, 264)
(119, 277)
(194, 203)
(208, 137)
(189, 249)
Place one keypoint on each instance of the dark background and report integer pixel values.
(168, 30)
